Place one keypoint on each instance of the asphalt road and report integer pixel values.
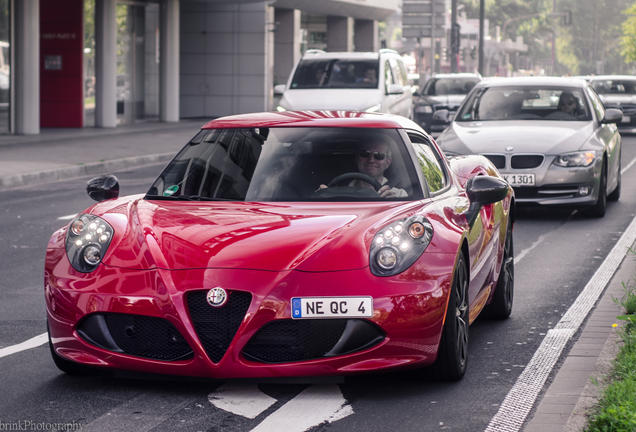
(556, 254)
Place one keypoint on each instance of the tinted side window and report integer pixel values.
(429, 163)
(388, 76)
(596, 103)
(397, 73)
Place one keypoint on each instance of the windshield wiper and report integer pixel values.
(184, 198)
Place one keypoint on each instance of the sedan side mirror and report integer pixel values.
(483, 190)
(442, 116)
(395, 89)
(279, 89)
(612, 115)
(103, 188)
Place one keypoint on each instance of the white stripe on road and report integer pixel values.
(31, 343)
(242, 399)
(532, 246)
(521, 398)
(629, 165)
(315, 405)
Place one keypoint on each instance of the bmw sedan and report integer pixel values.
(551, 138)
(618, 91)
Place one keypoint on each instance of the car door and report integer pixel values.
(405, 100)
(391, 102)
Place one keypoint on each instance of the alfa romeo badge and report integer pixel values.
(216, 297)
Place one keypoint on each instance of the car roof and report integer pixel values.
(349, 119)
(344, 54)
(611, 77)
(457, 75)
(532, 81)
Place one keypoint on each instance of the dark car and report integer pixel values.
(618, 91)
(442, 91)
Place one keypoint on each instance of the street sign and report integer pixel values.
(425, 7)
(417, 32)
(422, 20)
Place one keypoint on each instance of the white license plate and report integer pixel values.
(519, 179)
(626, 119)
(332, 307)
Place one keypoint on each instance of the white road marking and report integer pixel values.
(67, 217)
(31, 343)
(629, 165)
(532, 246)
(315, 405)
(242, 399)
(521, 398)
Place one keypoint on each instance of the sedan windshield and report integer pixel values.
(525, 103)
(614, 86)
(449, 86)
(336, 73)
(289, 164)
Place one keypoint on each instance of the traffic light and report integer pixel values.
(444, 54)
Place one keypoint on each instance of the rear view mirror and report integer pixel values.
(395, 89)
(612, 115)
(442, 116)
(279, 89)
(483, 190)
(103, 188)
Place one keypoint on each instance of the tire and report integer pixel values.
(598, 210)
(616, 193)
(500, 306)
(66, 366)
(452, 354)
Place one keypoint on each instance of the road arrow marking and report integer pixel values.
(243, 399)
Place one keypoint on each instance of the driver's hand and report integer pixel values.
(322, 186)
(386, 192)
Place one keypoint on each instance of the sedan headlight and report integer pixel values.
(576, 159)
(374, 108)
(398, 245)
(424, 109)
(87, 240)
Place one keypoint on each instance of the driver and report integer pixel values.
(568, 103)
(373, 158)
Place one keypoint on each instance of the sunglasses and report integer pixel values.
(568, 103)
(376, 155)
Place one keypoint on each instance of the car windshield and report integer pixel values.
(287, 164)
(449, 86)
(525, 103)
(614, 86)
(336, 73)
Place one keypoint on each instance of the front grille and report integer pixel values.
(216, 327)
(294, 340)
(498, 160)
(526, 161)
(145, 336)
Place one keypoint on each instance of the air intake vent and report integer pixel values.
(498, 160)
(526, 161)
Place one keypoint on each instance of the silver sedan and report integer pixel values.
(551, 138)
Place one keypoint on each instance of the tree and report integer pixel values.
(628, 40)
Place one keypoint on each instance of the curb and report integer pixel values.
(91, 168)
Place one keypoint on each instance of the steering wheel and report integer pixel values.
(355, 176)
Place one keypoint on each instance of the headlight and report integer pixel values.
(87, 240)
(374, 108)
(425, 109)
(576, 159)
(398, 245)
(280, 108)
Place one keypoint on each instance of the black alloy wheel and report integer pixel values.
(452, 354)
(500, 306)
(66, 366)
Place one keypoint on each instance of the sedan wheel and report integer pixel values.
(452, 355)
(599, 208)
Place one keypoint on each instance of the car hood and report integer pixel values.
(330, 99)
(450, 100)
(546, 137)
(259, 236)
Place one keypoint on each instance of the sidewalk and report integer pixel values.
(57, 154)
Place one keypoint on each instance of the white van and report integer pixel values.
(352, 81)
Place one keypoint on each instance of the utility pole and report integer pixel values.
(482, 13)
(554, 36)
(454, 34)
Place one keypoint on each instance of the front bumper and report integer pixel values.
(408, 314)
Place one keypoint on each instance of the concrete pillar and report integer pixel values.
(339, 33)
(105, 63)
(287, 43)
(26, 68)
(169, 61)
(366, 35)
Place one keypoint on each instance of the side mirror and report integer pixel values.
(483, 190)
(103, 188)
(279, 89)
(612, 115)
(395, 89)
(442, 116)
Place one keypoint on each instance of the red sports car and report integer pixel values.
(286, 244)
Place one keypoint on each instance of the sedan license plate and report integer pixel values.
(519, 179)
(626, 119)
(332, 307)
